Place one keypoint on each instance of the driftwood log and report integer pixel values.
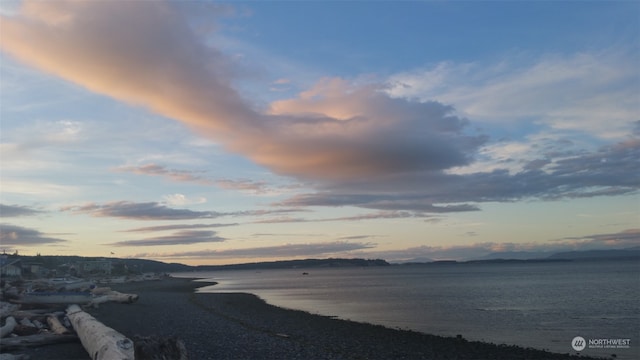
(21, 342)
(114, 296)
(8, 327)
(100, 341)
(30, 314)
(6, 308)
(56, 326)
(26, 322)
(78, 285)
(6, 356)
(101, 290)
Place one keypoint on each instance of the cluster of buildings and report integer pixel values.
(19, 267)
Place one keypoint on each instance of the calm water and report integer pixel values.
(541, 305)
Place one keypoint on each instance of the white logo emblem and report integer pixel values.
(578, 343)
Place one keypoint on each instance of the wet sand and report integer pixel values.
(242, 326)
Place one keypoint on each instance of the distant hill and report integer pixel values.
(144, 265)
(629, 253)
(516, 255)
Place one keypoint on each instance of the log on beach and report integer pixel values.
(8, 327)
(114, 296)
(7, 308)
(100, 341)
(6, 356)
(22, 342)
(56, 326)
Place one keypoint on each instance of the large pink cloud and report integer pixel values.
(148, 54)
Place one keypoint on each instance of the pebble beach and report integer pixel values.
(242, 326)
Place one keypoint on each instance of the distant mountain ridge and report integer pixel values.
(633, 252)
(627, 253)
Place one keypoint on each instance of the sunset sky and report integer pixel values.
(213, 133)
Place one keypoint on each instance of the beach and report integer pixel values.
(242, 326)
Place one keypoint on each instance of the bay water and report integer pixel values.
(543, 305)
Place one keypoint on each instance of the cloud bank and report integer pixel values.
(184, 237)
(21, 236)
(140, 211)
(17, 210)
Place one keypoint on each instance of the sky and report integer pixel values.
(213, 133)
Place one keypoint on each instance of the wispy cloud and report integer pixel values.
(357, 237)
(371, 216)
(629, 237)
(158, 211)
(178, 227)
(20, 236)
(243, 185)
(171, 174)
(281, 251)
(140, 211)
(185, 237)
(17, 210)
(594, 93)
(182, 200)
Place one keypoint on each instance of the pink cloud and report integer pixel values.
(152, 57)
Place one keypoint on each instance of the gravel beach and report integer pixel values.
(242, 326)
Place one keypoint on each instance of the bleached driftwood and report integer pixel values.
(26, 322)
(101, 290)
(21, 342)
(100, 341)
(78, 285)
(7, 308)
(114, 296)
(6, 356)
(30, 314)
(38, 324)
(56, 326)
(8, 327)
